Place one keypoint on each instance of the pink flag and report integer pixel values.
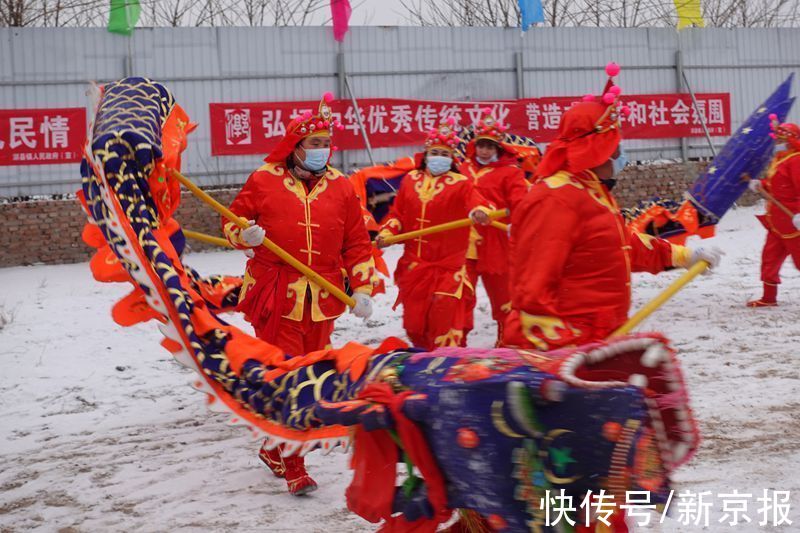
(340, 11)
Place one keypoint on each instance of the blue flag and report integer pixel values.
(531, 12)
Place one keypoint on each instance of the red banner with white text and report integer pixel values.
(255, 128)
(42, 136)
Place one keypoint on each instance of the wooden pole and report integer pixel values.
(697, 269)
(271, 246)
(210, 239)
(772, 199)
(455, 224)
(499, 225)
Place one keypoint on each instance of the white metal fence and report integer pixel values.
(50, 67)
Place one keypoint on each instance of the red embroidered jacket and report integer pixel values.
(322, 227)
(503, 185)
(571, 262)
(783, 183)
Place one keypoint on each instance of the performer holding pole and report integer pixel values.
(781, 187)
(571, 252)
(493, 166)
(431, 275)
(310, 211)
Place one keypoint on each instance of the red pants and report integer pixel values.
(300, 337)
(775, 252)
(442, 324)
(497, 287)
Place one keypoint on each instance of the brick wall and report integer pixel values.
(48, 231)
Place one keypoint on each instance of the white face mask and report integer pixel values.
(438, 164)
(316, 158)
(483, 161)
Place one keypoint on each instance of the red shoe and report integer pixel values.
(761, 303)
(297, 479)
(272, 459)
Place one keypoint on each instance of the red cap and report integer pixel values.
(308, 124)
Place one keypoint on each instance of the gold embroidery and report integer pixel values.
(451, 338)
(248, 282)
(297, 290)
(463, 281)
(548, 325)
(363, 271)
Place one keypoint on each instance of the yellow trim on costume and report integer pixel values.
(297, 290)
(451, 338)
(463, 281)
(248, 282)
(474, 239)
(548, 325)
(363, 271)
(681, 255)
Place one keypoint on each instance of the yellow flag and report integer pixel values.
(689, 13)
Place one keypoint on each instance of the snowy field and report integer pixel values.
(99, 430)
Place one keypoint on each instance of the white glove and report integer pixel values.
(363, 307)
(796, 221)
(754, 185)
(712, 256)
(254, 235)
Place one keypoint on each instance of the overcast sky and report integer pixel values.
(377, 13)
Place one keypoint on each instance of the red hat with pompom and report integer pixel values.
(306, 125)
(786, 132)
(445, 136)
(589, 133)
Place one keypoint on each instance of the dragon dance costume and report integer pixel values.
(489, 431)
(782, 182)
(571, 252)
(502, 183)
(319, 222)
(431, 275)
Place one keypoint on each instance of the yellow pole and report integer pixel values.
(271, 246)
(697, 269)
(455, 224)
(210, 239)
(499, 225)
(772, 199)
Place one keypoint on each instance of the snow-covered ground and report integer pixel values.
(99, 430)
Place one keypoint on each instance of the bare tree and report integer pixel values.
(603, 13)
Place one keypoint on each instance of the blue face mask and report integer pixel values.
(620, 162)
(438, 164)
(316, 158)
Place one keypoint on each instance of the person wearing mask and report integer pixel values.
(782, 182)
(494, 168)
(431, 275)
(311, 211)
(571, 253)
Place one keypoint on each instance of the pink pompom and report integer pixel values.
(306, 115)
(339, 126)
(451, 121)
(773, 116)
(328, 97)
(626, 110)
(773, 136)
(588, 98)
(334, 148)
(612, 69)
(615, 89)
(486, 110)
(609, 98)
(326, 124)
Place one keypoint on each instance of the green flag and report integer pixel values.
(123, 16)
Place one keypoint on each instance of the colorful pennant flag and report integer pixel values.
(531, 12)
(689, 14)
(123, 16)
(340, 12)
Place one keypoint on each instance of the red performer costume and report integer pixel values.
(782, 182)
(571, 252)
(431, 274)
(495, 170)
(311, 211)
